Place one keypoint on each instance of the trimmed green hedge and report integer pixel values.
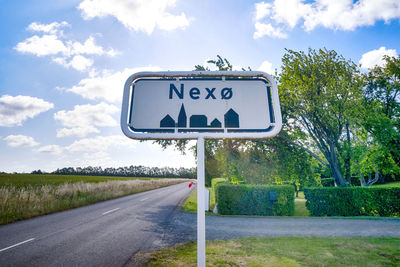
(353, 201)
(254, 199)
(214, 183)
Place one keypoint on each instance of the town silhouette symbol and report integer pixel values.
(231, 120)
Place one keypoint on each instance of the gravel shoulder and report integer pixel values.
(182, 227)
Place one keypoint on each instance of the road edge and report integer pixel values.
(141, 257)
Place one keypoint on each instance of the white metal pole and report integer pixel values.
(201, 217)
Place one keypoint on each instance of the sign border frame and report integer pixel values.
(244, 134)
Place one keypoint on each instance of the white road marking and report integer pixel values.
(107, 212)
(144, 199)
(20, 243)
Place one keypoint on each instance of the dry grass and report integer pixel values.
(18, 203)
(284, 251)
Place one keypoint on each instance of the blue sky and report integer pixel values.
(63, 63)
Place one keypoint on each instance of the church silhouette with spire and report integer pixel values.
(231, 120)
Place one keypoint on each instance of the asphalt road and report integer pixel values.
(104, 234)
(183, 227)
(109, 233)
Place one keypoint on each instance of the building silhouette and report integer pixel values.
(198, 121)
(231, 119)
(167, 121)
(182, 118)
(215, 124)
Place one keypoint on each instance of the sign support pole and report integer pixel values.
(231, 116)
(201, 217)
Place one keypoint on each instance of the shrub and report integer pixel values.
(328, 182)
(254, 199)
(353, 201)
(214, 183)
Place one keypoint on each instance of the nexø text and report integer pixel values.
(195, 93)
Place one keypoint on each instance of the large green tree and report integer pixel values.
(274, 160)
(379, 152)
(320, 91)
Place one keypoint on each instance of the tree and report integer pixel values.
(320, 91)
(382, 99)
(372, 160)
(277, 160)
(380, 152)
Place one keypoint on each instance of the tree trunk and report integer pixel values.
(347, 160)
(370, 180)
(331, 157)
(362, 180)
(376, 179)
(335, 166)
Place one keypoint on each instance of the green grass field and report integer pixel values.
(394, 184)
(25, 180)
(23, 196)
(285, 251)
(300, 209)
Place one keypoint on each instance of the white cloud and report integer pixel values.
(83, 119)
(100, 143)
(289, 12)
(138, 15)
(263, 29)
(15, 109)
(262, 10)
(337, 15)
(79, 62)
(20, 141)
(51, 28)
(77, 131)
(67, 53)
(375, 57)
(42, 46)
(106, 85)
(89, 48)
(51, 149)
(266, 66)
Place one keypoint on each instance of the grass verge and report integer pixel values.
(191, 203)
(23, 202)
(285, 251)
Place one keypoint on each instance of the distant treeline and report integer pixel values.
(131, 171)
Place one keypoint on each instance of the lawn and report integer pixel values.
(394, 184)
(300, 209)
(285, 251)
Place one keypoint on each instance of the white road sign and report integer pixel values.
(199, 105)
(186, 105)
